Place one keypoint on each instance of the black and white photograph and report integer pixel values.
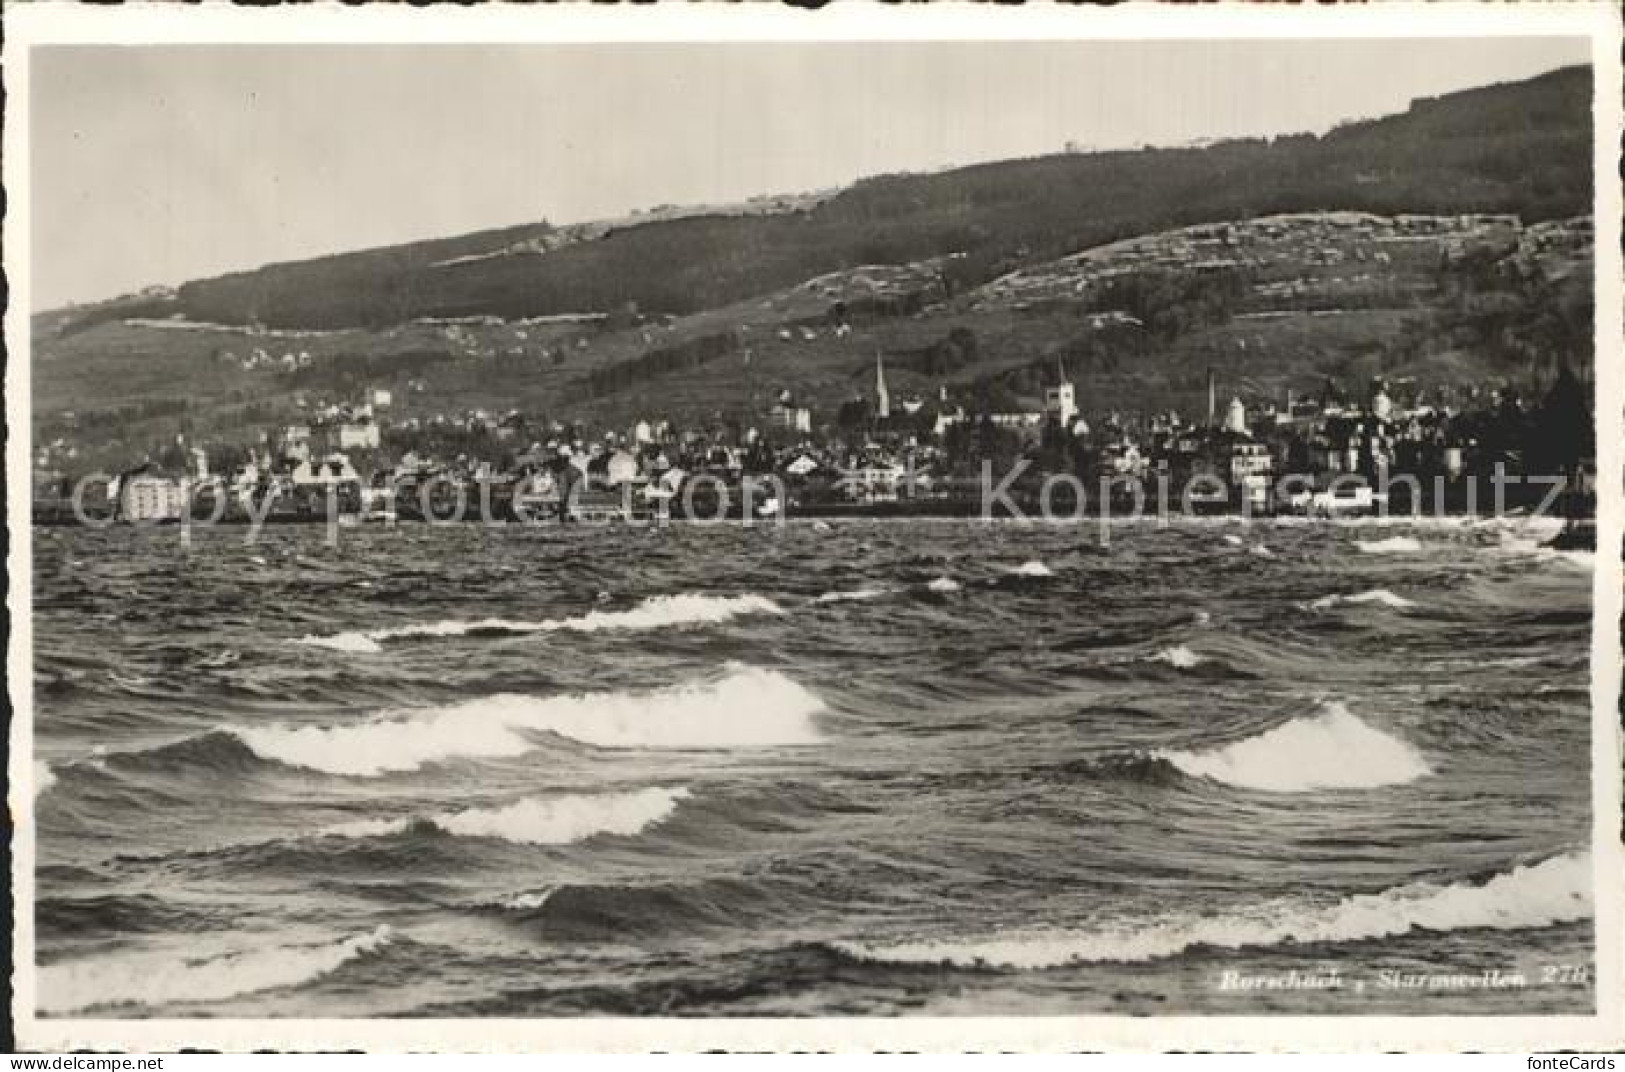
(1088, 526)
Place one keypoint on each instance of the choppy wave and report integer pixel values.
(746, 707)
(619, 912)
(44, 777)
(1179, 657)
(1393, 545)
(560, 820)
(358, 643)
(528, 902)
(1033, 568)
(1515, 543)
(656, 612)
(856, 594)
(1233, 540)
(1381, 596)
(943, 584)
(1261, 551)
(163, 979)
(1556, 890)
(1332, 750)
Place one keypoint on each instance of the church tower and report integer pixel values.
(1060, 401)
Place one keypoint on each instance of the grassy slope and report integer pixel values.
(1465, 153)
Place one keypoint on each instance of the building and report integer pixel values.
(145, 497)
(335, 469)
(1235, 418)
(358, 435)
(872, 483)
(621, 468)
(1060, 400)
(1250, 466)
(796, 418)
(1122, 458)
(802, 465)
(296, 442)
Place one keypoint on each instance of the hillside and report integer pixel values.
(1280, 263)
(1466, 152)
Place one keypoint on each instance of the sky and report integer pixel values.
(159, 164)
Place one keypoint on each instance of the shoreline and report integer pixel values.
(350, 521)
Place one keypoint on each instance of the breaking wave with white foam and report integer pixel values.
(1554, 891)
(561, 820)
(1393, 545)
(1033, 568)
(855, 595)
(164, 979)
(1331, 750)
(357, 643)
(1380, 596)
(44, 777)
(746, 707)
(1179, 657)
(527, 902)
(656, 612)
(943, 584)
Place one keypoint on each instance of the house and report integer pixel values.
(145, 498)
(1250, 466)
(296, 442)
(333, 470)
(1122, 458)
(802, 465)
(622, 468)
(872, 482)
(795, 418)
(358, 435)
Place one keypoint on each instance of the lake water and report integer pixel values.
(863, 769)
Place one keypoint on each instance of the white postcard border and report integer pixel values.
(32, 25)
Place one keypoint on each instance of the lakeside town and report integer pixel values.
(1383, 447)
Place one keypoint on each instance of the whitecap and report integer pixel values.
(358, 643)
(528, 902)
(44, 777)
(943, 584)
(1394, 545)
(1033, 568)
(1554, 891)
(1332, 750)
(855, 595)
(162, 979)
(746, 707)
(656, 612)
(1180, 657)
(1261, 551)
(559, 820)
(1380, 596)
(1233, 540)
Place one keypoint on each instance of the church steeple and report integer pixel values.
(882, 397)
